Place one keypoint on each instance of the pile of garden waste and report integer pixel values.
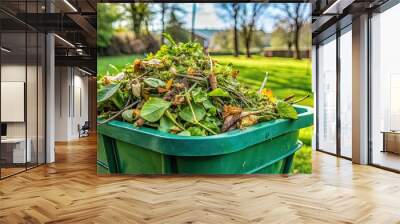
(182, 90)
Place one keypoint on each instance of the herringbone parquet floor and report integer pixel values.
(70, 192)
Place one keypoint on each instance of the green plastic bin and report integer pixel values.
(267, 147)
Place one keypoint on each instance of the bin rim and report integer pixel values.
(233, 133)
(172, 144)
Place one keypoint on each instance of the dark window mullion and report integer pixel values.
(369, 90)
(0, 95)
(26, 87)
(316, 97)
(37, 91)
(338, 78)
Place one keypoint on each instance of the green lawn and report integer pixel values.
(285, 77)
(117, 61)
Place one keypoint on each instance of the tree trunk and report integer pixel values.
(235, 39)
(136, 21)
(193, 20)
(289, 44)
(248, 36)
(296, 43)
(248, 47)
(235, 30)
(162, 22)
(146, 23)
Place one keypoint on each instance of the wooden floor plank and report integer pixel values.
(69, 191)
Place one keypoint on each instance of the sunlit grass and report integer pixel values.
(286, 76)
(117, 61)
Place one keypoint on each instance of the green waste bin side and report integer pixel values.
(102, 167)
(270, 157)
(131, 150)
(273, 157)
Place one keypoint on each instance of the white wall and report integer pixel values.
(12, 73)
(34, 124)
(71, 94)
(62, 81)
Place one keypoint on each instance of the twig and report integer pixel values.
(120, 112)
(264, 82)
(140, 76)
(211, 64)
(248, 113)
(301, 99)
(239, 95)
(192, 77)
(289, 98)
(245, 114)
(191, 88)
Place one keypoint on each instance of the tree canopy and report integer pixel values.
(107, 14)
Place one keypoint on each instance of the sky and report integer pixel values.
(208, 17)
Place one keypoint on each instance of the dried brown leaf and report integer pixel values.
(178, 100)
(231, 110)
(139, 122)
(137, 65)
(248, 121)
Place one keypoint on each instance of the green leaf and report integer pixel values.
(154, 82)
(208, 105)
(285, 110)
(218, 92)
(173, 117)
(196, 131)
(107, 92)
(199, 95)
(187, 115)
(211, 109)
(212, 123)
(113, 67)
(170, 115)
(154, 109)
(169, 38)
(118, 100)
(128, 116)
(184, 133)
(166, 124)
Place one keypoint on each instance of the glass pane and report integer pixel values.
(32, 96)
(385, 86)
(327, 96)
(41, 98)
(346, 94)
(13, 86)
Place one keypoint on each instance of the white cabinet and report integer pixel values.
(17, 148)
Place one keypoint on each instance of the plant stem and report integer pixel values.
(119, 112)
(289, 98)
(191, 88)
(263, 83)
(208, 129)
(169, 115)
(301, 99)
(192, 77)
(195, 121)
(248, 113)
